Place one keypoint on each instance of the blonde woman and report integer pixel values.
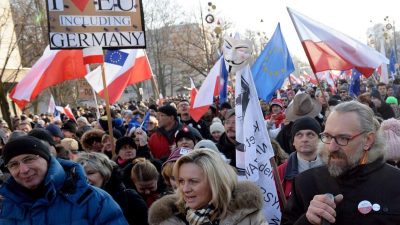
(208, 193)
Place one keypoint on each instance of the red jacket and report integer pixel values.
(159, 146)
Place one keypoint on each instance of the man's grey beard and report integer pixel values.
(349, 162)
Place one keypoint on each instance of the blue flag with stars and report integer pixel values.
(272, 66)
(392, 64)
(116, 57)
(355, 83)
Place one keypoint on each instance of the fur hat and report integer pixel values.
(217, 127)
(391, 131)
(25, 145)
(88, 137)
(70, 144)
(303, 105)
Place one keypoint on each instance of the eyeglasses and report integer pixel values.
(28, 160)
(340, 140)
(343, 92)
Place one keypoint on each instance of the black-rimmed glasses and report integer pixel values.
(341, 140)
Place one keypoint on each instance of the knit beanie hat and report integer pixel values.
(42, 134)
(217, 127)
(185, 131)
(392, 100)
(305, 123)
(178, 152)
(168, 110)
(25, 145)
(391, 131)
(124, 141)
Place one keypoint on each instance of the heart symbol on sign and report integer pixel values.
(80, 4)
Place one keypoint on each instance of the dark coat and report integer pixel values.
(226, 147)
(132, 204)
(386, 111)
(376, 182)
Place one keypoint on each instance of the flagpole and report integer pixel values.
(156, 92)
(108, 110)
(94, 96)
(307, 54)
(278, 182)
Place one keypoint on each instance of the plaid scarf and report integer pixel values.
(201, 216)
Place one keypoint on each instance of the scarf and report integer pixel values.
(200, 216)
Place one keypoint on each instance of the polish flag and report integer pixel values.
(327, 49)
(310, 78)
(52, 105)
(54, 67)
(93, 55)
(195, 113)
(295, 80)
(209, 88)
(122, 68)
(67, 111)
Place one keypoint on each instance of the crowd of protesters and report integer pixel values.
(170, 169)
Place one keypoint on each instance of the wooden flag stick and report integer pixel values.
(278, 182)
(108, 110)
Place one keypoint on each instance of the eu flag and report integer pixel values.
(392, 64)
(355, 83)
(272, 66)
(116, 57)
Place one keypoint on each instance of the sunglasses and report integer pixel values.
(92, 140)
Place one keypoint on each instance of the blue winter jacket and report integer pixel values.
(68, 199)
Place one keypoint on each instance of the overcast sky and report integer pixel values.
(352, 17)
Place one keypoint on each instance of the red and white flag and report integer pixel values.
(67, 111)
(328, 49)
(54, 67)
(93, 55)
(209, 88)
(195, 113)
(122, 68)
(310, 78)
(52, 105)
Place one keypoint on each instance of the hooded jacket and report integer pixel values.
(67, 199)
(245, 208)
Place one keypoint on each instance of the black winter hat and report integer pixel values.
(168, 110)
(185, 131)
(25, 145)
(305, 123)
(42, 134)
(124, 141)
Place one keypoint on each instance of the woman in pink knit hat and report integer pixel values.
(391, 130)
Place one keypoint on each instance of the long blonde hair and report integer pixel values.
(220, 175)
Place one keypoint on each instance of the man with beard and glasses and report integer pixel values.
(355, 186)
